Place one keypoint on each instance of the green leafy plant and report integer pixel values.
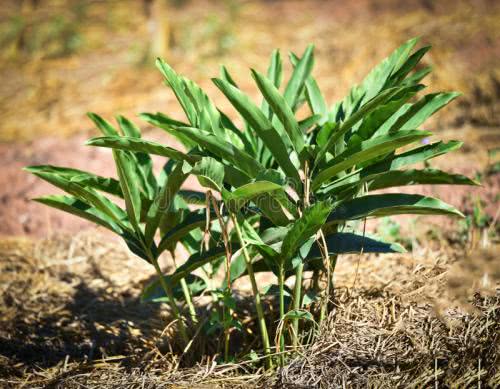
(287, 186)
(152, 204)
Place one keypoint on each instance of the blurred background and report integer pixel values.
(62, 58)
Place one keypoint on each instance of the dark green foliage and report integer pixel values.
(289, 186)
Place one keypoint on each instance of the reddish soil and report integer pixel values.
(23, 217)
(20, 215)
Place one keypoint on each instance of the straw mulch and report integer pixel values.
(70, 317)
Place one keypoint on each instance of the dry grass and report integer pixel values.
(382, 341)
(70, 317)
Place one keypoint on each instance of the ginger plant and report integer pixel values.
(288, 186)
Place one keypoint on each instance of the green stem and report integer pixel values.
(226, 318)
(333, 261)
(330, 287)
(187, 294)
(281, 282)
(329, 274)
(226, 342)
(255, 290)
(324, 303)
(297, 298)
(189, 301)
(170, 294)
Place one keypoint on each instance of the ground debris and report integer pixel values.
(70, 317)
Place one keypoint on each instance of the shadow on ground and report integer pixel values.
(92, 325)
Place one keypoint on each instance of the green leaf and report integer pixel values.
(223, 149)
(271, 203)
(142, 161)
(300, 74)
(161, 120)
(128, 128)
(240, 196)
(77, 207)
(298, 314)
(245, 137)
(226, 76)
(412, 116)
(81, 209)
(210, 173)
(395, 178)
(310, 297)
(104, 184)
(390, 204)
(423, 109)
(106, 128)
(87, 195)
(193, 197)
(374, 121)
(349, 243)
(268, 252)
(234, 176)
(315, 99)
(136, 246)
(274, 290)
(168, 124)
(337, 243)
(408, 66)
(412, 156)
(366, 151)
(309, 122)
(281, 109)
(178, 87)
(197, 260)
(418, 177)
(153, 292)
(208, 116)
(250, 235)
(140, 146)
(323, 134)
(174, 214)
(361, 113)
(418, 76)
(262, 126)
(164, 200)
(378, 77)
(128, 182)
(193, 220)
(271, 207)
(303, 228)
(275, 69)
(238, 266)
(275, 74)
